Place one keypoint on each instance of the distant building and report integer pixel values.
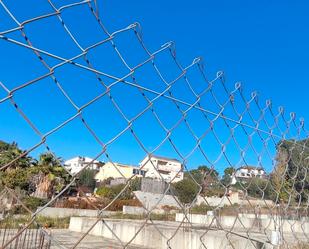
(159, 167)
(76, 164)
(118, 170)
(246, 172)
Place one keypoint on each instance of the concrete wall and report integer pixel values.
(164, 235)
(118, 181)
(232, 199)
(133, 210)
(68, 212)
(141, 210)
(156, 186)
(150, 200)
(248, 221)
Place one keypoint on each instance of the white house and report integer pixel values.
(76, 164)
(247, 172)
(159, 167)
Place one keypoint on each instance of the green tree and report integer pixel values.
(86, 178)
(260, 188)
(113, 191)
(207, 178)
(201, 173)
(33, 203)
(104, 192)
(16, 178)
(49, 159)
(135, 184)
(125, 195)
(29, 176)
(196, 174)
(10, 152)
(205, 170)
(229, 171)
(227, 177)
(291, 175)
(186, 190)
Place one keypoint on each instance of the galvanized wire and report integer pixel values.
(231, 108)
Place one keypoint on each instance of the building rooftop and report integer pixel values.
(125, 165)
(165, 158)
(83, 158)
(250, 167)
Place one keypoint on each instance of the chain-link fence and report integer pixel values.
(163, 155)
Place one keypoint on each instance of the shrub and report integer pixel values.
(214, 191)
(136, 184)
(80, 203)
(86, 178)
(117, 205)
(126, 194)
(33, 203)
(104, 192)
(113, 191)
(186, 190)
(13, 222)
(201, 209)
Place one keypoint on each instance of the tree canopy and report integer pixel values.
(290, 177)
(40, 178)
(186, 190)
(9, 152)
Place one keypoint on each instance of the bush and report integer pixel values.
(136, 184)
(80, 203)
(113, 191)
(104, 192)
(33, 203)
(14, 223)
(186, 190)
(201, 209)
(126, 195)
(214, 191)
(16, 178)
(86, 178)
(117, 205)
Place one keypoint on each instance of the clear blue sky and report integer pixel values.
(263, 44)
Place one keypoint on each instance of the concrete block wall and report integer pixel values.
(69, 212)
(248, 221)
(165, 235)
(133, 210)
(150, 200)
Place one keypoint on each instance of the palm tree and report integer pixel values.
(49, 159)
(10, 152)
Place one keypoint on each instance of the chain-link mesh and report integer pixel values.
(217, 168)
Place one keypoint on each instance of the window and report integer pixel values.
(162, 163)
(139, 172)
(143, 172)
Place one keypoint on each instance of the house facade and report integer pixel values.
(158, 167)
(246, 172)
(118, 170)
(76, 164)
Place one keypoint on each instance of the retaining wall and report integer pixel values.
(248, 221)
(133, 210)
(69, 212)
(164, 235)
